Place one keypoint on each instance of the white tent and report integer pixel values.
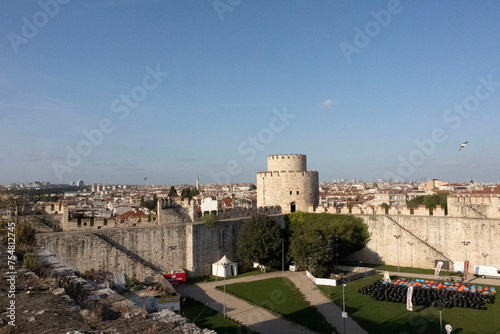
(219, 270)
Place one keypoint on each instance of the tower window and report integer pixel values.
(290, 192)
(297, 192)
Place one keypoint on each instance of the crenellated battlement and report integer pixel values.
(379, 210)
(287, 162)
(286, 156)
(285, 173)
(242, 212)
(474, 206)
(474, 199)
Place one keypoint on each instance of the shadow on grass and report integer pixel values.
(282, 298)
(205, 317)
(311, 318)
(386, 317)
(199, 295)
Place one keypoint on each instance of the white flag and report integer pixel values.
(409, 304)
(438, 269)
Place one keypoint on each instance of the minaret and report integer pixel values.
(197, 182)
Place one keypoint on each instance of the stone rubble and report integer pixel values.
(180, 322)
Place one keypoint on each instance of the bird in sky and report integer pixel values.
(462, 146)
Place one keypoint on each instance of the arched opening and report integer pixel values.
(292, 207)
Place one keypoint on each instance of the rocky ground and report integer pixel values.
(41, 306)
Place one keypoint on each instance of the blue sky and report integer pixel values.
(215, 86)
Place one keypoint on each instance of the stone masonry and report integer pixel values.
(288, 184)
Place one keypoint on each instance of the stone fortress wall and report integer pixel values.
(191, 247)
(288, 184)
(194, 246)
(474, 206)
(169, 212)
(463, 206)
(424, 239)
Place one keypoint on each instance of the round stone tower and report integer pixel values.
(288, 184)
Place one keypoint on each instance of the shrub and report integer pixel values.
(133, 280)
(30, 261)
(88, 274)
(210, 220)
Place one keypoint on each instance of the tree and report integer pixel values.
(386, 207)
(172, 192)
(430, 202)
(189, 193)
(350, 205)
(210, 220)
(314, 238)
(259, 240)
(151, 205)
(313, 248)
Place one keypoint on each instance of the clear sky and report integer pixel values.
(114, 91)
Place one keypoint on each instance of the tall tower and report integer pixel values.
(197, 182)
(288, 184)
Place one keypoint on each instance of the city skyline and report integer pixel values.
(116, 91)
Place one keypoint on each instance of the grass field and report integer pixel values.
(281, 297)
(205, 317)
(385, 317)
(411, 270)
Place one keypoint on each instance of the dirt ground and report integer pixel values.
(38, 310)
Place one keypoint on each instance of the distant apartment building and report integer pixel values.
(433, 185)
(418, 193)
(391, 198)
(210, 205)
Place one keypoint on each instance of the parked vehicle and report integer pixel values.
(486, 271)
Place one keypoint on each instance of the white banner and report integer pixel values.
(409, 304)
(438, 269)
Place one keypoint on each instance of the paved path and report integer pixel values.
(331, 312)
(255, 318)
(259, 319)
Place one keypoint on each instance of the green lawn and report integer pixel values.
(385, 317)
(205, 317)
(281, 297)
(411, 270)
(211, 278)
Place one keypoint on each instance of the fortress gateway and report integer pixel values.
(288, 184)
